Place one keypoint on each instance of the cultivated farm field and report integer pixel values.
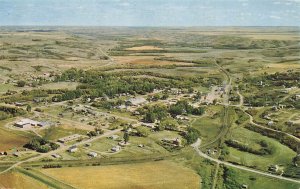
(155, 175)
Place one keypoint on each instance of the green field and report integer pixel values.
(281, 154)
(236, 178)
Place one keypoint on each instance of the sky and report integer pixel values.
(150, 12)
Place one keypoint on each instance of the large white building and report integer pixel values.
(26, 123)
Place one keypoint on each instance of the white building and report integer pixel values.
(270, 123)
(69, 138)
(116, 148)
(26, 123)
(72, 149)
(92, 154)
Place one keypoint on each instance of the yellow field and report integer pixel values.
(144, 48)
(145, 60)
(154, 175)
(10, 140)
(19, 181)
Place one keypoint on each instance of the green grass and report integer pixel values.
(150, 148)
(54, 133)
(281, 155)
(238, 177)
(5, 87)
(103, 144)
(209, 128)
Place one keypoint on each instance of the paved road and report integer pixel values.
(200, 153)
(62, 148)
(252, 119)
(252, 122)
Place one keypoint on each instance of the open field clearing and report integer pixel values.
(54, 133)
(144, 48)
(11, 139)
(145, 60)
(18, 180)
(253, 181)
(60, 85)
(5, 87)
(272, 36)
(284, 65)
(156, 175)
(281, 155)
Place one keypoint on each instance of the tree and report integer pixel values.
(21, 83)
(156, 97)
(92, 133)
(44, 149)
(198, 111)
(34, 144)
(192, 135)
(169, 124)
(54, 146)
(28, 108)
(149, 117)
(142, 131)
(165, 96)
(126, 137)
(99, 131)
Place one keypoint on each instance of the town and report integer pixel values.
(220, 109)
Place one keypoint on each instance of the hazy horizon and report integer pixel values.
(155, 13)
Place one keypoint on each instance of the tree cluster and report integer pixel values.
(41, 145)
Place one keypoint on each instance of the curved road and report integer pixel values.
(261, 126)
(252, 122)
(200, 153)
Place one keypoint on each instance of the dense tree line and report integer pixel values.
(281, 137)
(7, 112)
(264, 150)
(68, 95)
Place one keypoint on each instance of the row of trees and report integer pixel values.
(264, 150)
